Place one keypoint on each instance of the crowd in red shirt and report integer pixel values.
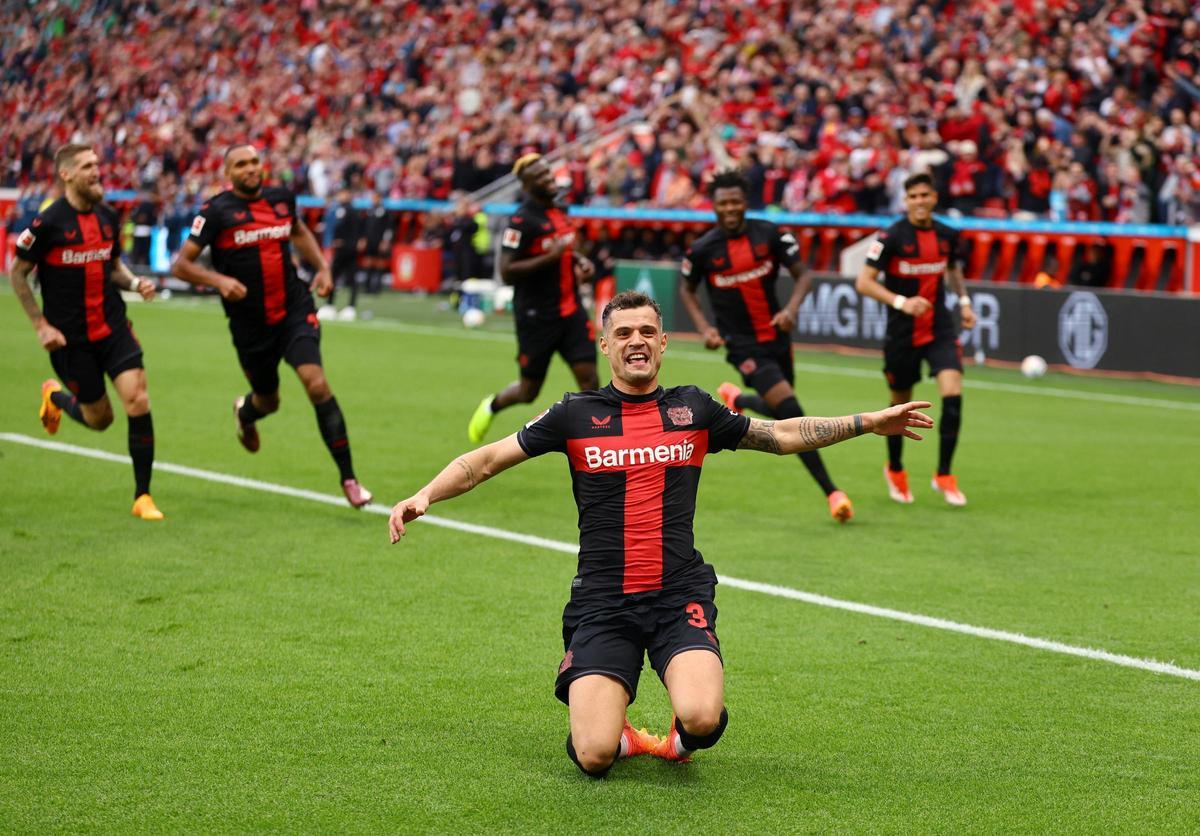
(1071, 109)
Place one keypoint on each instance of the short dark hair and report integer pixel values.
(729, 178)
(921, 178)
(628, 300)
(67, 154)
(236, 146)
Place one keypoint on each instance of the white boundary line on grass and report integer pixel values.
(570, 548)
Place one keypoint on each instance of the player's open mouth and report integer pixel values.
(637, 358)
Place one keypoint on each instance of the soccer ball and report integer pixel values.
(1033, 367)
(472, 318)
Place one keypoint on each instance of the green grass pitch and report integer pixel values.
(263, 662)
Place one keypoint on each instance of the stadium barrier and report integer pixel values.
(1141, 257)
(1083, 329)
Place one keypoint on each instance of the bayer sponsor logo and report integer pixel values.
(1082, 330)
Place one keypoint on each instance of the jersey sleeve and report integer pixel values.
(955, 259)
(880, 251)
(114, 220)
(204, 226)
(517, 235)
(725, 427)
(787, 250)
(694, 267)
(547, 433)
(33, 242)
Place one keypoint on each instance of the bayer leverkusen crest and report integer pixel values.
(681, 416)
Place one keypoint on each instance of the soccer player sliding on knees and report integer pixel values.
(635, 451)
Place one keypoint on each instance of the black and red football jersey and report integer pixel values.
(740, 273)
(552, 292)
(635, 468)
(251, 241)
(74, 252)
(914, 262)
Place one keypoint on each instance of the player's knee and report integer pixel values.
(318, 390)
(592, 754)
(99, 417)
(528, 391)
(595, 762)
(702, 720)
(139, 404)
(705, 733)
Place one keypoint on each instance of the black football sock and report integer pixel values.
(790, 408)
(354, 284)
(895, 444)
(333, 430)
(575, 760)
(692, 742)
(69, 404)
(141, 450)
(248, 413)
(754, 402)
(948, 431)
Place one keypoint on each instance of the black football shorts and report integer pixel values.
(612, 638)
(902, 364)
(82, 366)
(296, 340)
(573, 337)
(763, 365)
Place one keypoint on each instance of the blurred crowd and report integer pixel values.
(1059, 109)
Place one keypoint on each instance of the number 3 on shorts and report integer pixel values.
(697, 615)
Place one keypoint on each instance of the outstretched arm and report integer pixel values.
(799, 435)
(458, 477)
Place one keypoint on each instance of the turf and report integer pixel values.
(260, 662)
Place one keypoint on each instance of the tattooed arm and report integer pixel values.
(458, 477)
(799, 435)
(49, 336)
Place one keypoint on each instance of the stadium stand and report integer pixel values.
(1057, 109)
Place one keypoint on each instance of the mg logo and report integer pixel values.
(1082, 330)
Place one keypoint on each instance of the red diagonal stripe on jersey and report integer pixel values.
(927, 249)
(566, 265)
(93, 280)
(270, 258)
(754, 297)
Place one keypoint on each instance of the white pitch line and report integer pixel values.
(570, 548)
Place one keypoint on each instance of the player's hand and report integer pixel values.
(405, 512)
(322, 283)
(50, 337)
(231, 289)
(896, 420)
(968, 316)
(584, 268)
(917, 306)
(146, 287)
(557, 249)
(785, 321)
(712, 338)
